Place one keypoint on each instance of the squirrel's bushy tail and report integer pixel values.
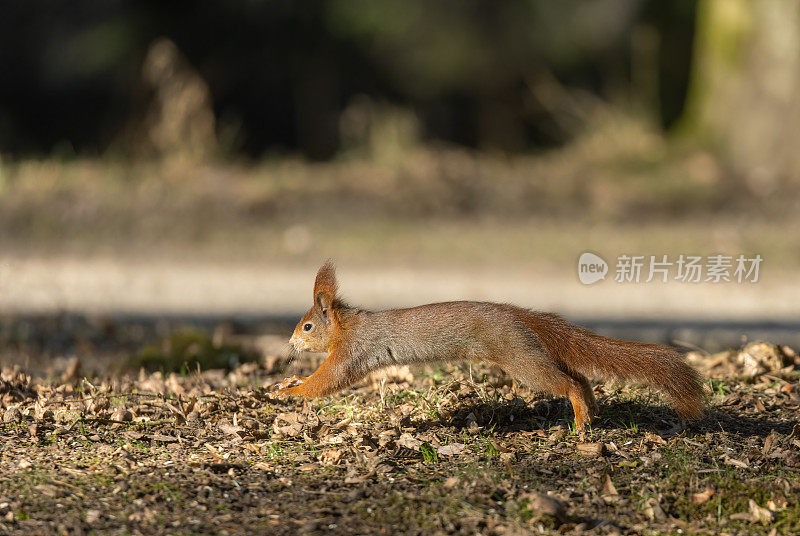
(582, 351)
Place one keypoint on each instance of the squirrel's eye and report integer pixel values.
(308, 327)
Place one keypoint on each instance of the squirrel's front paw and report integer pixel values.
(284, 388)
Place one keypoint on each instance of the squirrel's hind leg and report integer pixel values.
(581, 406)
(549, 378)
(588, 395)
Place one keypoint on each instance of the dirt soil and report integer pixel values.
(453, 450)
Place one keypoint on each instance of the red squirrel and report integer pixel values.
(542, 350)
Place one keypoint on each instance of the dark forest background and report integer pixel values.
(343, 126)
(286, 76)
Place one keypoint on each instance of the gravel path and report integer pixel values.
(107, 285)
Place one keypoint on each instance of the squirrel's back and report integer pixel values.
(445, 331)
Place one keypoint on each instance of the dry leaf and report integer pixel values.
(760, 357)
(452, 449)
(769, 442)
(650, 437)
(343, 423)
(451, 482)
(164, 438)
(332, 456)
(293, 426)
(12, 415)
(121, 414)
(546, 505)
(653, 510)
(92, 516)
(308, 467)
(408, 441)
(334, 440)
(507, 457)
(777, 504)
(609, 490)
(229, 429)
(736, 463)
(760, 514)
(591, 449)
(703, 496)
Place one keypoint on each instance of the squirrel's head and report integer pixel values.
(315, 330)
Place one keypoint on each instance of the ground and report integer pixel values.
(113, 427)
(453, 450)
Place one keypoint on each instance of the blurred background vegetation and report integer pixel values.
(331, 128)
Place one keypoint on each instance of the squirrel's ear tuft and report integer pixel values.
(326, 281)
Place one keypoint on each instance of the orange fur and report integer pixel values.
(542, 350)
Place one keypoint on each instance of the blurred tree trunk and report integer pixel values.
(744, 95)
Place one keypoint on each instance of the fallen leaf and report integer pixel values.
(92, 516)
(452, 449)
(164, 438)
(229, 429)
(331, 457)
(760, 514)
(760, 357)
(12, 415)
(308, 467)
(609, 490)
(343, 423)
(653, 510)
(408, 441)
(703, 496)
(734, 462)
(650, 437)
(769, 442)
(507, 457)
(777, 504)
(546, 505)
(121, 414)
(591, 449)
